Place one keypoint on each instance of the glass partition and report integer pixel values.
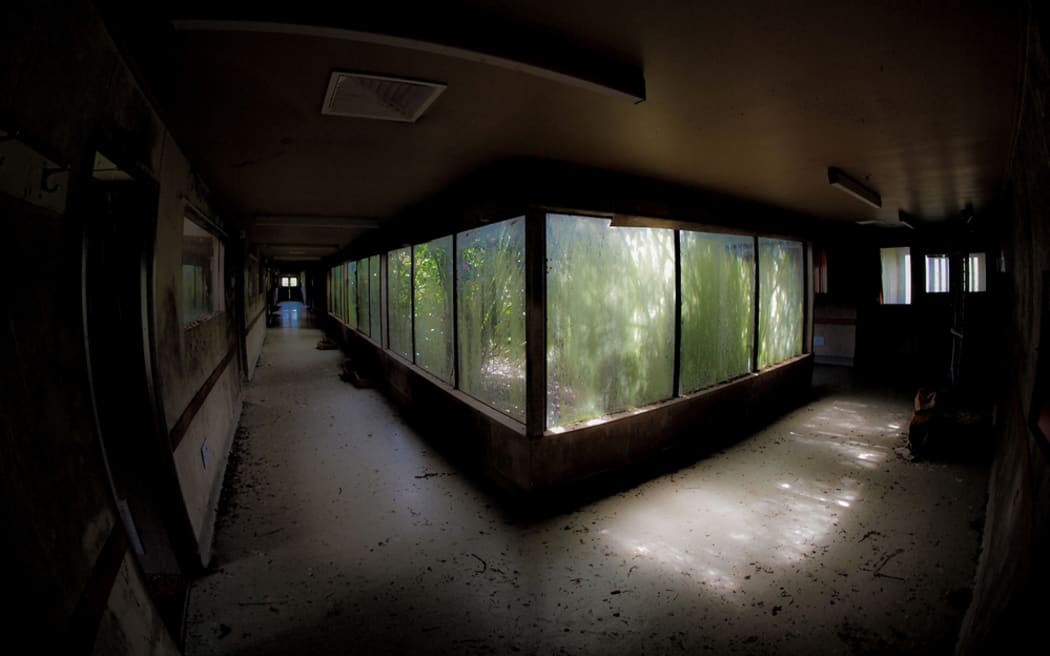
(490, 279)
(433, 306)
(399, 300)
(781, 289)
(718, 320)
(610, 317)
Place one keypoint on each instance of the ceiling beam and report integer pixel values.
(536, 55)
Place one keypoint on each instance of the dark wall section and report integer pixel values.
(1012, 589)
(65, 93)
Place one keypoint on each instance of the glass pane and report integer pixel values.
(336, 292)
(490, 275)
(433, 298)
(351, 294)
(362, 295)
(896, 276)
(718, 316)
(399, 301)
(202, 290)
(936, 274)
(610, 317)
(781, 295)
(374, 294)
(976, 273)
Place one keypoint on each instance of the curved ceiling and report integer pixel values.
(751, 99)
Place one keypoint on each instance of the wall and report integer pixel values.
(66, 90)
(197, 364)
(1012, 589)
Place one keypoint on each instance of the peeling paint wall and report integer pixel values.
(1011, 598)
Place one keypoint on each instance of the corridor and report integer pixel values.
(346, 533)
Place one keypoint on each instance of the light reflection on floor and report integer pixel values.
(351, 535)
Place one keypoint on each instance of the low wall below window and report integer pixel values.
(500, 447)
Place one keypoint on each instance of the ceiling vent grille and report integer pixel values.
(378, 97)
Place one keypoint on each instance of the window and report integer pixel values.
(610, 317)
(374, 295)
(896, 275)
(976, 273)
(490, 279)
(937, 274)
(289, 281)
(350, 293)
(202, 274)
(433, 306)
(718, 320)
(780, 301)
(399, 301)
(338, 281)
(362, 296)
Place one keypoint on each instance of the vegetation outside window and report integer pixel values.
(350, 294)
(432, 262)
(896, 275)
(202, 274)
(490, 279)
(399, 301)
(610, 317)
(362, 296)
(374, 296)
(781, 288)
(718, 320)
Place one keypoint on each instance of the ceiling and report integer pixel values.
(754, 100)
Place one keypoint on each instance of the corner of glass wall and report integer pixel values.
(490, 315)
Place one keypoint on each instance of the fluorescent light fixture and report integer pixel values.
(838, 178)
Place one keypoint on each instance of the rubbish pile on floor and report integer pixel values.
(941, 428)
(353, 376)
(326, 344)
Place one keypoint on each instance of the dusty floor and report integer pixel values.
(347, 534)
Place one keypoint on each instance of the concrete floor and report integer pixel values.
(346, 533)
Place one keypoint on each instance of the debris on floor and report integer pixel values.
(326, 344)
(351, 375)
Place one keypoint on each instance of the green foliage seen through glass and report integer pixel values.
(780, 300)
(610, 317)
(399, 300)
(362, 296)
(718, 291)
(374, 296)
(350, 294)
(490, 279)
(433, 304)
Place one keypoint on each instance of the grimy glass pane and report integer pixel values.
(399, 300)
(362, 296)
(202, 293)
(351, 294)
(336, 281)
(610, 317)
(780, 301)
(718, 314)
(490, 275)
(433, 297)
(374, 295)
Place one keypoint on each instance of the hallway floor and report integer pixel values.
(347, 534)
